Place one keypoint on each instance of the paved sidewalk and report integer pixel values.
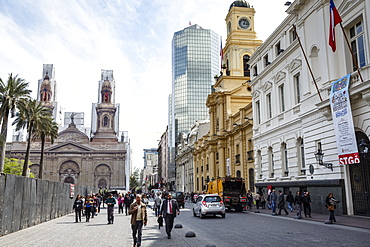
(65, 232)
(346, 220)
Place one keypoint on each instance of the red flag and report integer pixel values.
(334, 20)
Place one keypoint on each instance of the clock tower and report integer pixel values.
(105, 112)
(241, 39)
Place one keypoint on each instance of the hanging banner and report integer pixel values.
(228, 170)
(71, 190)
(343, 122)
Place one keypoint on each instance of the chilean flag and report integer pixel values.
(334, 20)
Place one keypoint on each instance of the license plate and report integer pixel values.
(213, 205)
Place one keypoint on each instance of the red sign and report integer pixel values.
(346, 159)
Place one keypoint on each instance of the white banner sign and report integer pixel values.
(343, 122)
(228, 167)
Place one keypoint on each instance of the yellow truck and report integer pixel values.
(232, 191)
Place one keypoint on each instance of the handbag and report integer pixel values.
(331, 208)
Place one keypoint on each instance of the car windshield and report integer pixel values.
(212, 199)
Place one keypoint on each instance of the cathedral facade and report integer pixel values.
(97, 159)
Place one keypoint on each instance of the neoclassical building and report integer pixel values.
(292, 116)
(99, 160)
(227, 148)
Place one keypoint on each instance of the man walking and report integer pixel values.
(157, 204)
(273, 198)
(110, 203)
(127, 203)
(169, 209)
(281, 203)
(139, 217)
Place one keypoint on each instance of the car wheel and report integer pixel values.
(223, 215)
(202, 216)
(194, 214)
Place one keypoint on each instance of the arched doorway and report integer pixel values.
(69, 170)
(102, 183)
(102, 174)
(360, 177)
(69, 180)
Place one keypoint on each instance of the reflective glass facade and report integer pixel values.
(195, 62)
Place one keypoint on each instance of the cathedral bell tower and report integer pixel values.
(47, 89)
(105, 114)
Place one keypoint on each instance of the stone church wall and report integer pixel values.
(25, 202)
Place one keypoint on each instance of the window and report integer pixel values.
(278, 49)
(246, 65)
(282, 100)
(238, 174)
(297, 85)
(271, 161)
(269, 112)
(301, 157)
(258, 112)
(255, 71)
(105, 121)
(284, 153)
(293, 35)
(228, 27)
(357, 45)
(266, 60)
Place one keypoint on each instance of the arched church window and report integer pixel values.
(105, 121)
(246, 65)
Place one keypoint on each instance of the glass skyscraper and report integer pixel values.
(195, 62)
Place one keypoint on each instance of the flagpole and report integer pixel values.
(353, 55)
(309, 67)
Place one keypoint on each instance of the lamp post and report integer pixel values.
(320, 158)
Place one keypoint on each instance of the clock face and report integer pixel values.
(244, 23)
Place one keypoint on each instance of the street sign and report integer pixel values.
(312, 169)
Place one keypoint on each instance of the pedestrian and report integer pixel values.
(290, 201)
(121, 202)
(258, 200)
(78, 206)
(306, 201)
(298, 203)
(139, 217)
(281, 203)
(110, 203)
(127, 202)
(168, 211)
(94, 209)
(273, 199)
(100, 199)
(249, 200)
(331, 203)
(157, 204)
(263, 201)
(88, 207)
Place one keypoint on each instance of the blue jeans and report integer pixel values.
(273, 206)
(290, 206)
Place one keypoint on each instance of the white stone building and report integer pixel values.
(290, 120)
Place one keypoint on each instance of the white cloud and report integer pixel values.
(133, 38)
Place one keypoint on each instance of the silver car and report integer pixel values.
(209, 204)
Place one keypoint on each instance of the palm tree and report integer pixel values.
(31, 112)
(10, 93)
(45, 128)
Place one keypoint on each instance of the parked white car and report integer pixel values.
(209, 204)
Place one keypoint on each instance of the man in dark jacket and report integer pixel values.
(127, 202)
(281, 203)
(169, 209)
(110, 203)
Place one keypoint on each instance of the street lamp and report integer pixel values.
(320, 158)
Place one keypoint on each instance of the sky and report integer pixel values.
(131, 37)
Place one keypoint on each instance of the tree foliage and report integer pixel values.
(15, 166)
(135, 178)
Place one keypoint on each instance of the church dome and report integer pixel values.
(240, 3)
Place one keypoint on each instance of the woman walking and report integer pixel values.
(89, 202)
(77, 206)
(330, 203)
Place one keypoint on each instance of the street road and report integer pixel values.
(237, 229)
